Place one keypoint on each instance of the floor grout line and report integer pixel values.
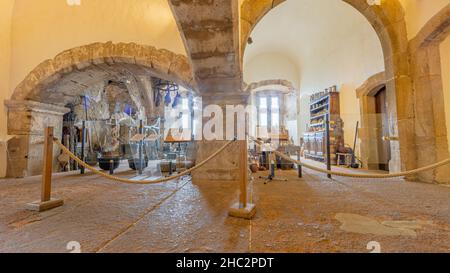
(147, 212)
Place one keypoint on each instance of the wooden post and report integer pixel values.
(328, 144)
(111, 167)
(243, 209)
(141, 143)
(299, 166)
(244, 173)
(46, 201)
(48, 165)
(83, 141)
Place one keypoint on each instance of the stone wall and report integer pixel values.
(430, 124)
(26, 122)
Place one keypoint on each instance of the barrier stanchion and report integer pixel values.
(243, 209)
(141, 144)
(299, 166)
(111, 167)
(83, 144)
(46, 201)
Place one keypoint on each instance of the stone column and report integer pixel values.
(430, 128)
(226, 166)
(26, 123)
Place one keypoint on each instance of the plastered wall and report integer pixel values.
(445, 65)
(6, 7)
(418, 12)
(39, 30)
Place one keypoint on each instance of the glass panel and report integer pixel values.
(185, 104)
(275, 119)
(275, 103)
(263, 119)
(185, 121)
(194, 129)
(263, 103)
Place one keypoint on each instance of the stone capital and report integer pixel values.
(34, 106)
(30, 117)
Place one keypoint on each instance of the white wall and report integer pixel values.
(348, 63)
(5, 65)
(271, 66)
(44, 28)
(330, 42)
(41, 29)
(445, 63)
(419, 12)
(6, 7)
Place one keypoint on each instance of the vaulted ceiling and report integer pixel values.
(304, 30)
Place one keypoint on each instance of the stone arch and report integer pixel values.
(40, 99)
(429, 109)
(252, 11)
(434, 31)
(288, 103)
(368, 127)
(388, 22)
(255, 85)
(371, 85)
(96, 58)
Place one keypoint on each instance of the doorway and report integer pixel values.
(384, 148)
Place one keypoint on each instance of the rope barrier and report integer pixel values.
(401, 174)
(139, 182)
(282, 155)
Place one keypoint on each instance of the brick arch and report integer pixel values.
(388, 22)
(94, 59)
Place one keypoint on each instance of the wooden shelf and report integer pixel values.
(319, 108)
(319, 116)
(320, 99)
(315, 139)
(316, 125)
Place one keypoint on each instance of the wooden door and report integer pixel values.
(384, 148)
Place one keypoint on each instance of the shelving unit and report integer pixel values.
(324, 104)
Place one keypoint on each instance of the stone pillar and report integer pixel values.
(26, 123)
(226, 166)
(430, 128)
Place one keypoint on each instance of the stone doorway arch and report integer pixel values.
(430, 124)
(368, 134)
(40, 99)
(388, 22)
